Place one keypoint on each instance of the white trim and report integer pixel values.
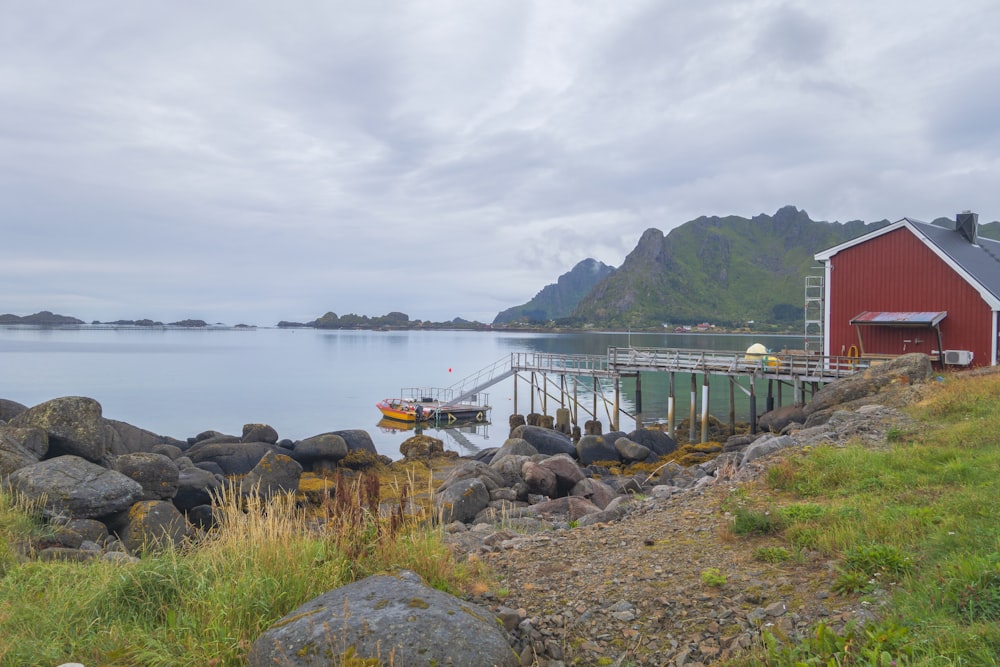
(827, 271)
(993, 345)
(987, 296)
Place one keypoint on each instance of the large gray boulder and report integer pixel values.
(515, 447)
(323, 447)
(151, 525)
(467, 469)
(595, 491)
(357, 440)
(157, 474)
(10, 409)
(510, 468)
(128, 439)
(540, 480)
(546, 441)
(565, 469)
(70, 485)
(593, 448)
(195, 486)
(74, 424)
(259, 433)
(632, 452)
(658, 442)
(235, 458)
(777, 419)
(396, 620)
(275, 474)
(461, 500)
(20, 447)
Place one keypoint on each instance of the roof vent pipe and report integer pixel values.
(967, 223)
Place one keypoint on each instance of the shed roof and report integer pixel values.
(900, 319)
(978, 263)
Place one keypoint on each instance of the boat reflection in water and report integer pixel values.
(454, 432)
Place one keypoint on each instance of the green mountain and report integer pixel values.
(561, 298)
(727, 271)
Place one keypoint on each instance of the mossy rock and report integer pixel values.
(358, 459)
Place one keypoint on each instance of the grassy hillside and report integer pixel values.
(725, 270)
(913, 529)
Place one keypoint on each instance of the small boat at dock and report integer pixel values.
(430, 408)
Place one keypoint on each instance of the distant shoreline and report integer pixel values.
(46, 319)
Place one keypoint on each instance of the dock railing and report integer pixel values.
(589, 365)
(801, 366)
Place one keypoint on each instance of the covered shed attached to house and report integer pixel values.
(914, 287)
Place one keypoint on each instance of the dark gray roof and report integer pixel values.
(980, 260)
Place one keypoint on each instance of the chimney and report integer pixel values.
(967, 223)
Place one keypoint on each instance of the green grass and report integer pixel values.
(713, 576)
(919, 522)
(203, 605)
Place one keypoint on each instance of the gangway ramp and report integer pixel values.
(471, 386)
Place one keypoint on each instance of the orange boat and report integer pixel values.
(429, 409)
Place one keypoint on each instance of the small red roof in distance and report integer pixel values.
(900, 319)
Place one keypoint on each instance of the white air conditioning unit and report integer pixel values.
(958, 357)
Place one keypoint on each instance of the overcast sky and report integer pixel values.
(240, 161)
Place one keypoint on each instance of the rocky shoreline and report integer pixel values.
(596, 565)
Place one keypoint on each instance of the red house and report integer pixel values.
(914, 287)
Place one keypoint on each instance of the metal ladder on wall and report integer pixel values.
(815, 308)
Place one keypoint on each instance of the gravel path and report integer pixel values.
(631, 592)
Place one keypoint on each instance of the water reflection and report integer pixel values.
(457, 433)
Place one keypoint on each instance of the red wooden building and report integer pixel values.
(914, 287)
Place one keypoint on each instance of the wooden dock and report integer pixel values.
(563, 377)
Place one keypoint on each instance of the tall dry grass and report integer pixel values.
(205, 603)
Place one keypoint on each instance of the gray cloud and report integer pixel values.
(245, 162)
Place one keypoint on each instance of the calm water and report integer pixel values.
(302, 382)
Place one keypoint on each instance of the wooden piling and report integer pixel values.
(704, 408)
(670, 407)
(615, 421)
(576, 403)
(694, 407)
(732, 405)
(515, 394)
(638, 400)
